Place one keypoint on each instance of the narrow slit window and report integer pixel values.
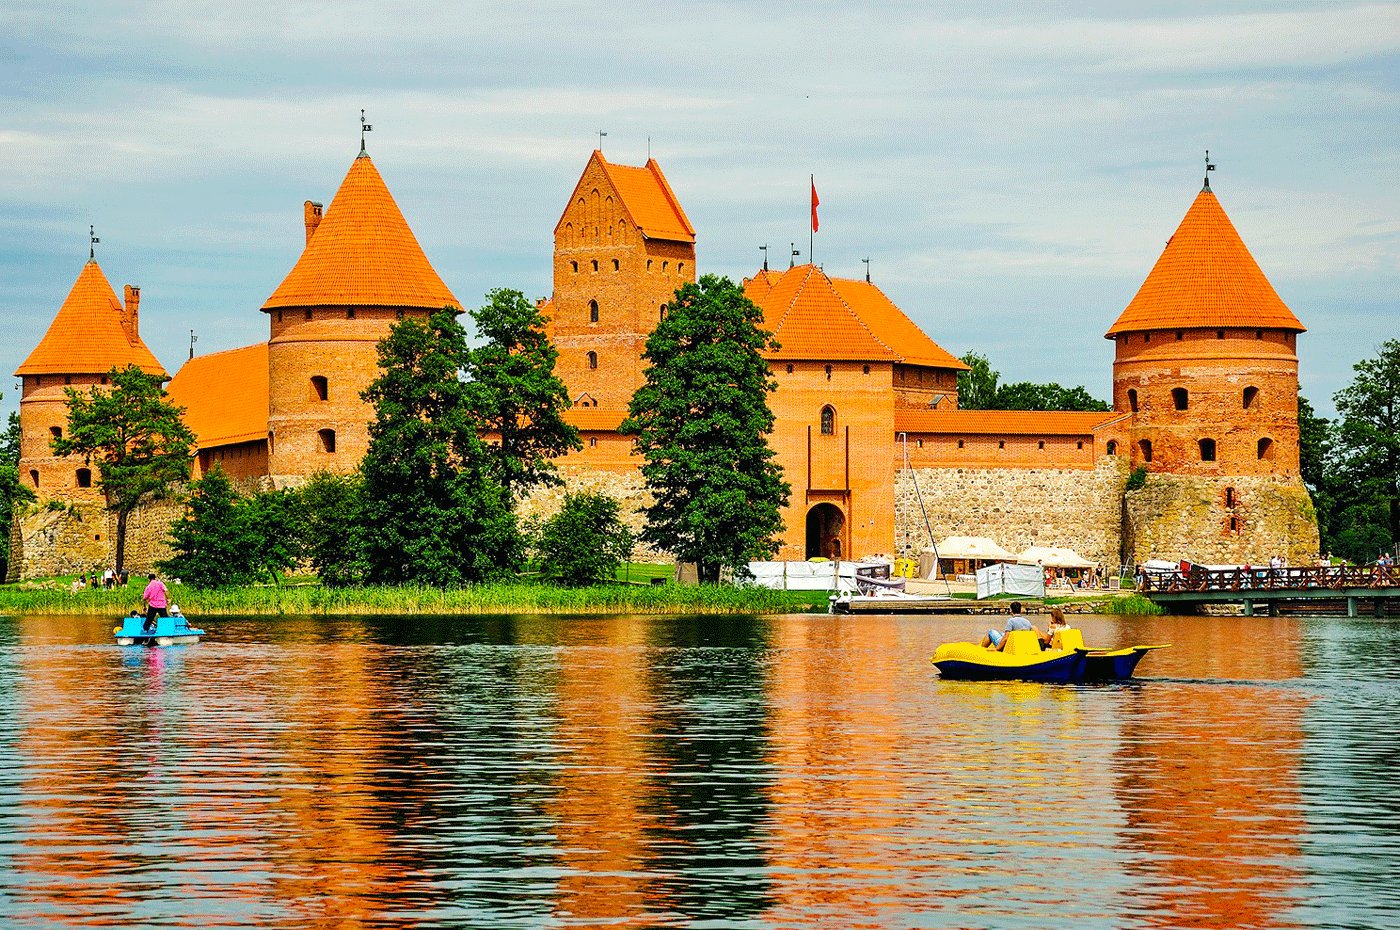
(592, 359)
(320, 386)
(593, 311)
(617, 265)
(573, 266)
(349, 313)
(828, 420)
(1145, 447)
(327, 440)
(960, 443)
(595, 264)
(1132, 399)
(1229, 497)
(34, 476)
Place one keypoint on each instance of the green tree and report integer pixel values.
(225, 539)
(977, 387)
(136, 438)
(437, 514)
(701, 423)
(333, 530)
(516, 395)
(1025, 395)
(1368, 446)
(12, 491)
(586, 541)
(1315, 463)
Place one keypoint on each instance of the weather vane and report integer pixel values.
(193, 340)
(764, 249)
(793, 261)
(1209, 168)
(867, 269)
(93, 240)
(602, 135)
(364, 128)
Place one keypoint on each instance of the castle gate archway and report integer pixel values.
(826, 532)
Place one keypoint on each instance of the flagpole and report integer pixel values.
(811, 233)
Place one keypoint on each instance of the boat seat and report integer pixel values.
(1021, 643)
(1067, 639)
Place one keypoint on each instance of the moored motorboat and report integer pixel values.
(173, 630)
(1066, 661)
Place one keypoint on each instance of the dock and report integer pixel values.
(1352, 589)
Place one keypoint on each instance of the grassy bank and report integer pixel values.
(504, 598)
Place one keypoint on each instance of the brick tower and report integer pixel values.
(621, 249)
(1205, 359)
(92, 333)
(361, 271)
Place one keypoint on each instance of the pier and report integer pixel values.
(1271, 588)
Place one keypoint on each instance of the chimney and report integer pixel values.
(131, 313)
(312, 213)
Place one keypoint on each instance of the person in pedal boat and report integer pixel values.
(996, 639)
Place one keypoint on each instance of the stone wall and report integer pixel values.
(1221, 520)
(1016, 507)
(627, 487)
(48, 540)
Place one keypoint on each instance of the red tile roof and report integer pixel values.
(594, 418)
(225, 395)
(816, 317)
(1205, 278)
(362, 253)
(87, 336)
(1004, 422)
(648, 199)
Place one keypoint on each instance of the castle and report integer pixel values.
(868, 430)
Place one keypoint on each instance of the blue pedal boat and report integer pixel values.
(173, 630)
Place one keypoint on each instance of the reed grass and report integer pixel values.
(1133, 605)
(410, 600)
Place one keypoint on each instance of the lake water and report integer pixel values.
(802, 771)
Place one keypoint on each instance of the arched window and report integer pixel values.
(593, 311)
(573, 266)
(1112, 447)
(661, 312)
(595, 264)
(327, 440)
(349, 313)
(828, 372)
(55, 432)
(320, 386)
(664, 264)
(592, 441)
(789, 368)
(648, 264)
(1207, 449)
(680, 266)
(85, 477)
(1250, 394)
(34, 476)
(828, 420)
(1181, 399)
(617, 265)
(1145, 447)
(1220, 334)
(1132, 399)
(592, 359)
(1266, 448)
(1229, 497)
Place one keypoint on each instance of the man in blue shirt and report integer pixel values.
(997, 638)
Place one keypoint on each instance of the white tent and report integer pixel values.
(972, 547)
(1053, 557)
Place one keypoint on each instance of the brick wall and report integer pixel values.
(43, 409)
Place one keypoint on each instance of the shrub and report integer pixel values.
(585, 541)
(1137, 478)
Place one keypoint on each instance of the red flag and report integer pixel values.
(815, 202)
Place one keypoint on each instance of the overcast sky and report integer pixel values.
(1011, 170)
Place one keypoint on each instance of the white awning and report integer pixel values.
(972, 547)
(1054, 557)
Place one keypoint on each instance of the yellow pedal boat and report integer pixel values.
(1066, 661)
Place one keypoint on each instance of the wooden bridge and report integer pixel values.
(1272, 587)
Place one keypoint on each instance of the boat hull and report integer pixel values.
(969, 662)
(1061, 668)
(169, 631)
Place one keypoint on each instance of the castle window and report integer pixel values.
(85, 477)
(573, 266)
(67, 379)
(1220, 334)
(279, 316)
(1001, 443)
(38, 381)
(661, 311)
(1229, 497)
(320, 386)
(1040, 444)
(648, 264)
(1079, 444)
(866, 369)
(592, 441)
(1180, 398)
(104, 379)
(960, 443)
(664, 264)
(920, 443)
(34, 476)
(1132, 399)
(308, 313)
(1178, 335)
(828, 420)
(1234, 524)
(1146, 338)
(1258, 334)
(789, 368)
(593, 311)
(828, 372)
(680, 266)
(592, 359)
(617, 265)
(595, 264)
(1266, 448)
(1112, 447)
(1250, 395)
(1145, 447)
(55, 432)
(1207, 450)
(327, 439)
(398, 314)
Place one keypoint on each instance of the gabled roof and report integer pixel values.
(1005, 422)
(225, 395)
(1205, 278)
(647, 198)
(816, 317)
(363, 253)
(87, 336)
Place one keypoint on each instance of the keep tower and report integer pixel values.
(361, 271)
(1205, 358)
(621, 249)
(92, 333)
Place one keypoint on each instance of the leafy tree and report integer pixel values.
(701, 423)
(333, 530)
(275, 519)
(516, 394)
(586, 541)
(981, 389)
(12, 491)
(1368, 448)
(1316, 460)
(437, 514)
(136, 437)
(225, 539)
(977, 388)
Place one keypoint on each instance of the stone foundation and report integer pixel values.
(1016, 507)
(48, 540)
(627, 487)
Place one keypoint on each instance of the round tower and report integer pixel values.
(90, 335)
(361, 271)
(1205, 358)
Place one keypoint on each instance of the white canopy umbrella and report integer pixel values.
(1054, 557)
(972, 547)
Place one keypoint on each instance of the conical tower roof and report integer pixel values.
(87, 335)
(1205, 278)
(362, 254)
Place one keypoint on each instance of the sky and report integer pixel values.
(1011, 170)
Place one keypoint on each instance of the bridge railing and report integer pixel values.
(1324, 577)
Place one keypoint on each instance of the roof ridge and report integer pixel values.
(858, 318)
(670, 195)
